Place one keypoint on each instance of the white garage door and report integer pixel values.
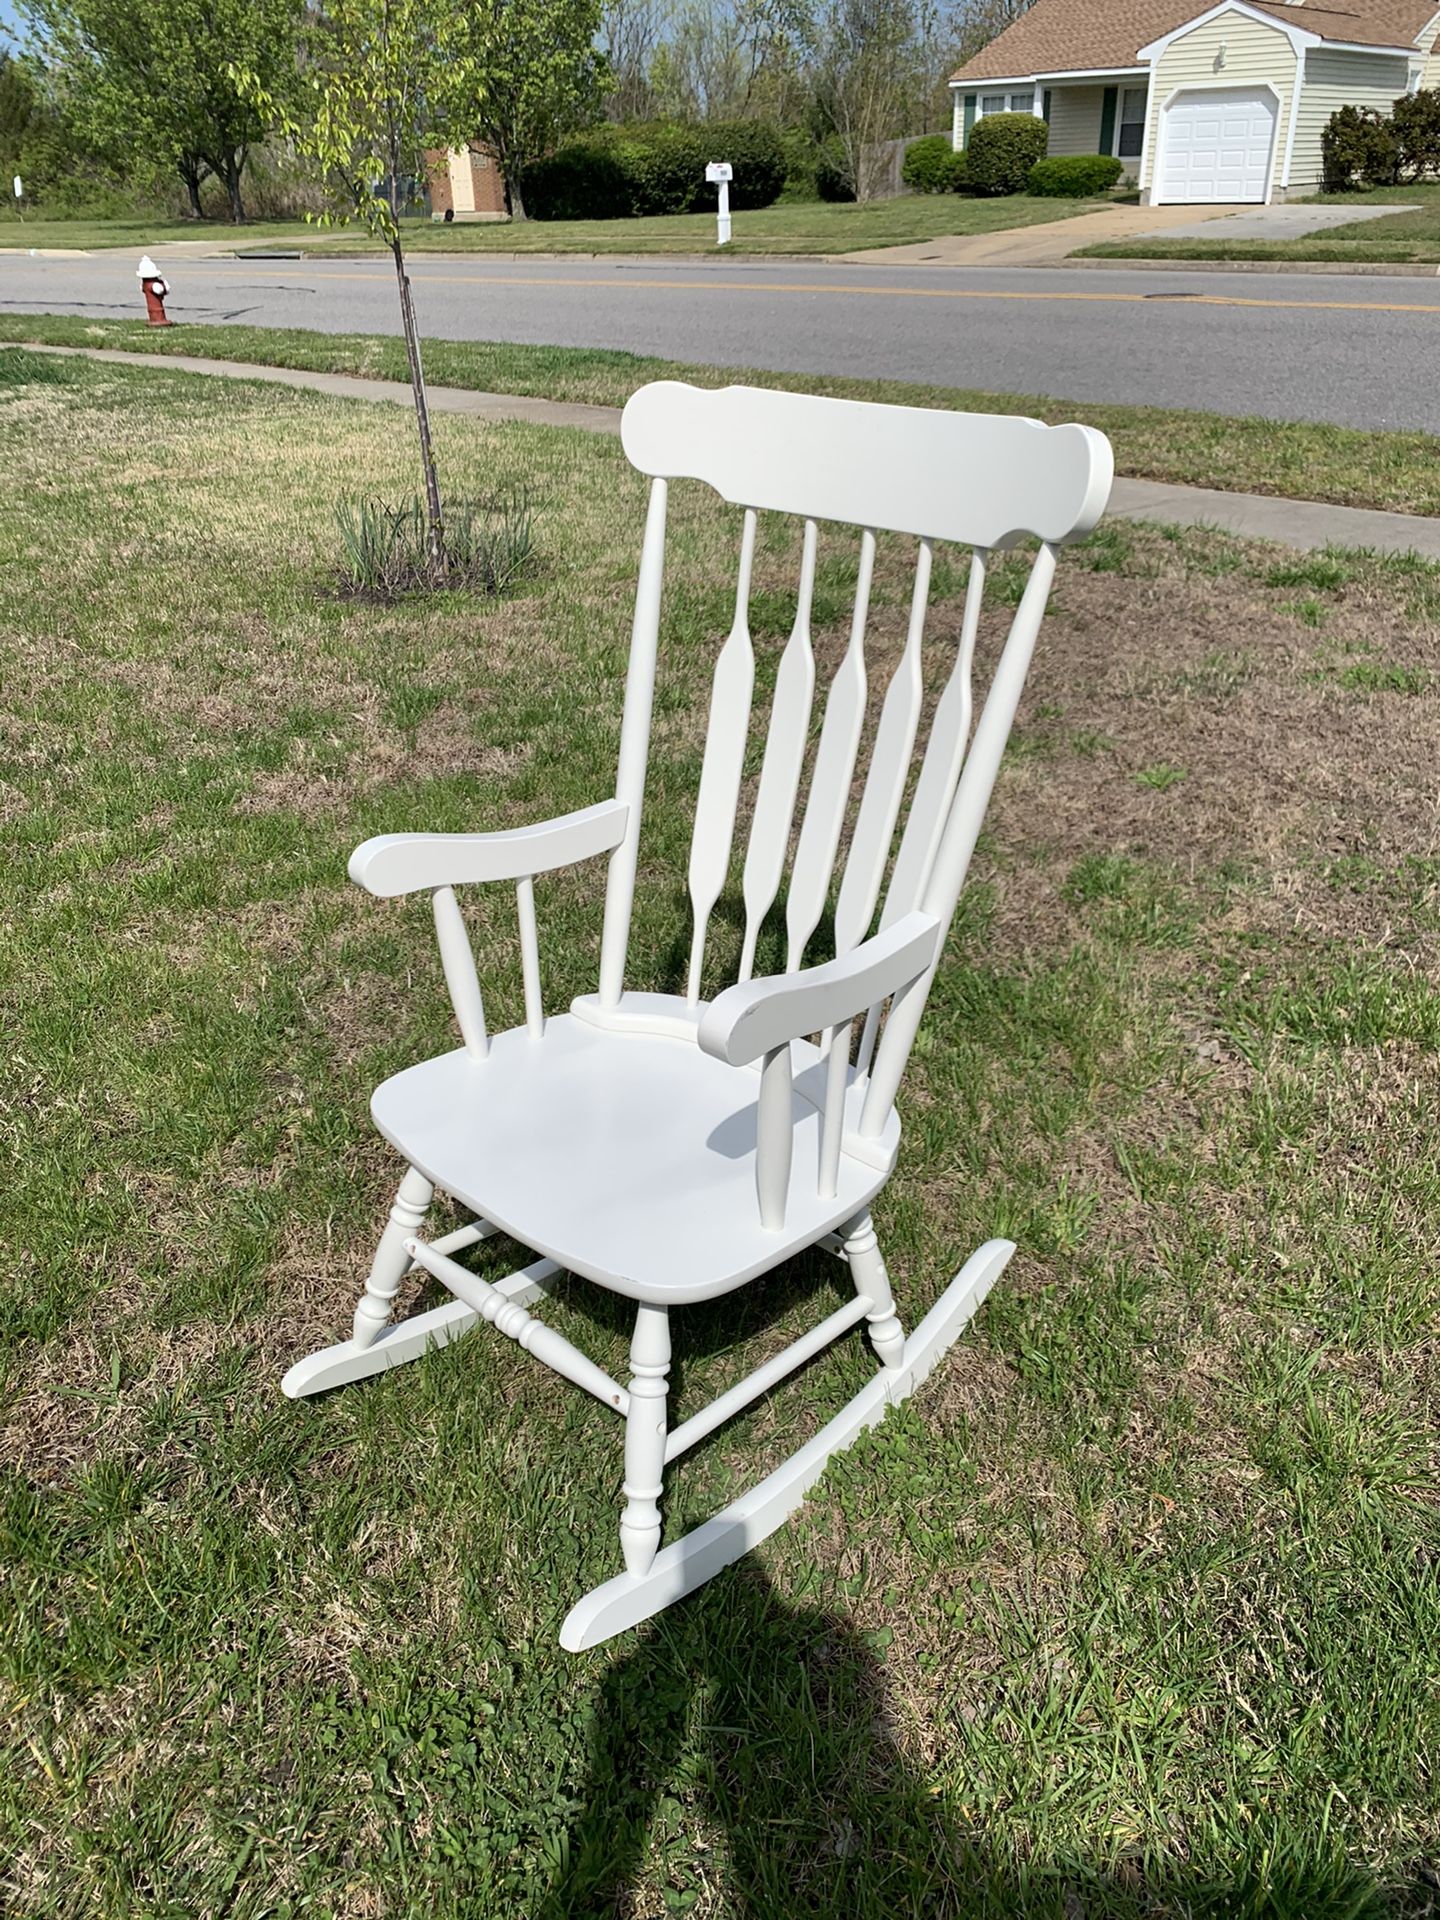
(1216, 144)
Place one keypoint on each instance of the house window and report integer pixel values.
(1021, 101)
(1130, 123)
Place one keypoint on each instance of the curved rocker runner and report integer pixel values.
(702, 1142)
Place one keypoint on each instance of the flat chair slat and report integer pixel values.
(784, 761)
(888, 772)
(723, 766)
(935, 788)
(829, 794)
(457, 958)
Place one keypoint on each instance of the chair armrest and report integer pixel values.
(754, 1018)
(394, 863)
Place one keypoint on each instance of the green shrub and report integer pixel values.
(932, 165)
(833, 178)
(1074, 176)
(1416, 120)
(1359, 148)
(1003, 148)
(620, 173)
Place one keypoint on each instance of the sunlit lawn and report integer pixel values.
(1132, 1611)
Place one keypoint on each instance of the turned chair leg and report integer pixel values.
(392, 1262)
(645, 1438)
(867, 1270)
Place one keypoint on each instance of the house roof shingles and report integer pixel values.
(1059, 36)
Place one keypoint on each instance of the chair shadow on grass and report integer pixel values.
(742, 1762)
(761, 1726)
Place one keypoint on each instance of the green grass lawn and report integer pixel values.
(797, 227)
(1394, 239)
(139, 233)
(1132, 1611)
(1395, 471)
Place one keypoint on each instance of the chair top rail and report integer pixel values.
(982, 480)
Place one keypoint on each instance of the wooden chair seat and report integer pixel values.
(626, 1157)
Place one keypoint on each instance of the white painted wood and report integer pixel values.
(962, 830)
(724, 763)
(628, 1158)
(885, 780)
(645, 1438)
(872, 1283)
(836, 1048)
(775, 1137)
(638, 1141)
(750, 1018)
(687, 1565)
(980, 479)
(784, 760)
(405, 1340)
(507, 1316)
(395, 863)
(634, 747)
(530, 958)
(829, 795)
(457, 958)
(935, 788)
(940, 767)
(774, 1370)
(390, 1264)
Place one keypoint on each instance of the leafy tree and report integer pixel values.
(375, 85)
(871, 71)
(543, 78)
(156, 78)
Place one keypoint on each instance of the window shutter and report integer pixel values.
(969, 119)
(1045, 106)
(1107, 119)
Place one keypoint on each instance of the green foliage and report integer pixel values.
(543, 78)
(1359, 148)
(1416, 120)
(833, 178)
(158, 78)
(1074, 175)
(629, 172)
(1002, 150)
(932, 165)
(385, 550)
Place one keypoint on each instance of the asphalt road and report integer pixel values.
(1356, 351)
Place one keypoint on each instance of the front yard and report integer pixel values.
(1132, 1611)
(799, 227)
(1392, 240)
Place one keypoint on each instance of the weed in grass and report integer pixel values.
(1381, 676)
(1161, 777)
(1324, 572)
(1309, 612)
(488, 547)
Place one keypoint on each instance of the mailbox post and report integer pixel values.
(720, 173)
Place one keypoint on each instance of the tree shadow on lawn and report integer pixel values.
(764, 1726)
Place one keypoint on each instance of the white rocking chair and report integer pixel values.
(669, 1149)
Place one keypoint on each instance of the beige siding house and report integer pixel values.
(1222, 106)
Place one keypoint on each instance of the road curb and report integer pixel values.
(1399, 270)
(1303, 524)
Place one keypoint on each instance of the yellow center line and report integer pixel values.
(848, 287)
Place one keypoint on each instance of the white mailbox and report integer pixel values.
(719, 173)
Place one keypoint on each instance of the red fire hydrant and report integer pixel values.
(155, 288)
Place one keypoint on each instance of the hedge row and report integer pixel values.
(1075, 176)
(619, 173)
(1362, 148)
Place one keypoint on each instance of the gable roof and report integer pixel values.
(1060, 36)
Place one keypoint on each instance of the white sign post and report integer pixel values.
(19, 195)
(720, 173)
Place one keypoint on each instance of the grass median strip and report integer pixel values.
(1398, 472)
(1131, 1612)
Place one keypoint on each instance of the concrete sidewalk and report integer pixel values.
(1303, 524)
(1035, 246)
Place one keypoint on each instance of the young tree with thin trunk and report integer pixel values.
(378, 83)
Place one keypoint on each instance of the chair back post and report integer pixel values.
(634, 747)
(962, 831)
